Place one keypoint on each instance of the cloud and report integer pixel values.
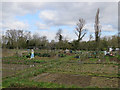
(54, 18)
(50, 35)
(15, 25)
(108, 28)
(19, 9)
(60, 14)
(65, 13)
(69, 13)
(104, 27)
(69, 35)
(41, 26)
(90, 27)
(48, 15)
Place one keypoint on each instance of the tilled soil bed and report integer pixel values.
(78, 80)
(10, 69)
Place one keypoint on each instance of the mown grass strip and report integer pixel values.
(16, 82)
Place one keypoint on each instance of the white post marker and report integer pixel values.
(110, 49)
(105, 52)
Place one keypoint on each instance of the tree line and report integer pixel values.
(20, 39)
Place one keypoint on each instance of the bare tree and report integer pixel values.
(59, 35)
(90, 37)
(97, 27)
(80, 32)
(15, 38)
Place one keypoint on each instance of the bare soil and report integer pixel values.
(10, 69)
(64, 79)
(104, 82)
(115, 59)
(78, 80)
(6, 52)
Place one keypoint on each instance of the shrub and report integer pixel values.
(27, 56)
(77, 56)
(45, 55)
(61, 55)
(38, 54)
(38, 61)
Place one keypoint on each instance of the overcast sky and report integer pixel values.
(46, 18)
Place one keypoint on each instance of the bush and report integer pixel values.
(46, 55)
(38, 54)
(61, 55)
(38, 61)
(77, 56)
(27, 56)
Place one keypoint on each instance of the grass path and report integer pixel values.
(22, 78)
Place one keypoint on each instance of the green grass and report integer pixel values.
(93, 59)
(16, 82)
(106, 70)
(22, 60)
(31, 72)
(60, 65)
